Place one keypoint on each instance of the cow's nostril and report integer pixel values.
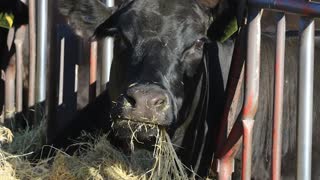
(130, 101)
(158, 101)
(146, 99)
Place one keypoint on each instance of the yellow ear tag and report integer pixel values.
(6, 20)
(230, 29)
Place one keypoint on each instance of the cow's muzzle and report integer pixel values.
(142, 109)
(147, 103)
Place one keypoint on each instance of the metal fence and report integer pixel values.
(38, 85)
(228, 147)
(52, 50)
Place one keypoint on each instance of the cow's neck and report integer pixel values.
(199, 125)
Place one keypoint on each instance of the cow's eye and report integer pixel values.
(200, 42)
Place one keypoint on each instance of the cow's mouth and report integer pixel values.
(136, 132)
(141, 121)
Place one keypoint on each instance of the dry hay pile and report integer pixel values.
(99, 160)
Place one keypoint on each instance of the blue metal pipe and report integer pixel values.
(294, 6)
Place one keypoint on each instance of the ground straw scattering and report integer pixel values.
(97, 161)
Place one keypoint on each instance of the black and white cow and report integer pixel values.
(168, 72)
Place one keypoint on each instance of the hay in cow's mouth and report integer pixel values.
(141, 124)
(133, 129)
(99, 161)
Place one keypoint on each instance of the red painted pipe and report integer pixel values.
(32, 51)
(225, 165)
(251, 88)
(247, 148)
(19, 40)
(245, 125)
(278, 99)
(2, 78)
(93, 70)
(10, 88)
(233, 89)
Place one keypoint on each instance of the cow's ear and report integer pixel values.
(109, 26)
(209, 3)
(228, 19)
(236, 7)
(84, 16)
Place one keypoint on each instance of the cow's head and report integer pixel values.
(158, 51)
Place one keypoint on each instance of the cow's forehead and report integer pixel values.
(174, 10)
(163, 18)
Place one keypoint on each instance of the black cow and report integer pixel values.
(167, 72)
(159, 73)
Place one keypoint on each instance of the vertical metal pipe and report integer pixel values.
(19, 39)
(305, 107)
(76, 77)
(32, 52)
(41, 67)
(225, 168)
(10, 89)
(2, 79)
(278, 98)
(61, 73)
(234, 84)
(107, 55)
(224, 162)
(247, 148)
(93, 70)
(251, 88)
(42, 40)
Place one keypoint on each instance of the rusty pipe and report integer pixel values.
(226, 159)
(234, 83)
(245, 121)
(247, 148)
(32, 52)
(252, 66)
(93, 70)
(251, 94)
(278, 98)
(225, 164)
(19, 40)
(2, 95)
(10, 89)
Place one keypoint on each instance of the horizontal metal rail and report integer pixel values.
(302, 7)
